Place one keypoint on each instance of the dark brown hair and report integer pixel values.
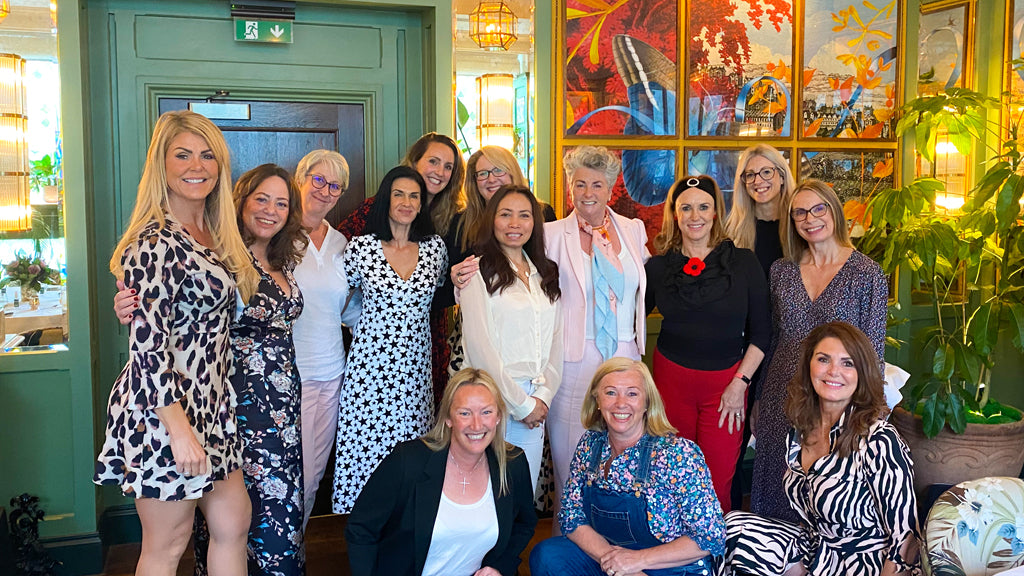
(445, 205)
(494, 265)
(670, 237)
(867, 405)
(289, 244)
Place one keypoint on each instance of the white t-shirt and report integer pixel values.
(319, 351)
(463, 535)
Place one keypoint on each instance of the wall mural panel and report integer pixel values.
(849, 70)
(620, 67)
(720, 164)
(853, 174)
(740, 68)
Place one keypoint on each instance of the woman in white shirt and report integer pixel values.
(512, 319)
(322, 177)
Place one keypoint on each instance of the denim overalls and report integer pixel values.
(621, 517)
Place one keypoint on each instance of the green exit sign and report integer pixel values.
(273, 31)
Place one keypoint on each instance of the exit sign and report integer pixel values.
(273, 31)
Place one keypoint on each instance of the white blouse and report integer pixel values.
(463, 535)
(515, 335)
(319, 351)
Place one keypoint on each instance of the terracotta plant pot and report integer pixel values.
(948, 458)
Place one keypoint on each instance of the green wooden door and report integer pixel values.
(141, 52)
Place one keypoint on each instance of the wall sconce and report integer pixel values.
(496, 96)
(5, 9)
(15, 207)
(53, 15)
(492, 25)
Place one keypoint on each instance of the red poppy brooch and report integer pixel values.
(694, 266)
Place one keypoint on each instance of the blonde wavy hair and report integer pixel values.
(655, 420)
(474, 201)
(440, 436)
(151, 202)
(741, 225)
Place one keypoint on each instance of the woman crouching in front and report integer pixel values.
(639, 500)
(457, 501)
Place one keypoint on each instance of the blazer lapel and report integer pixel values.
(572, 243)
(427, 499)
(502, 504)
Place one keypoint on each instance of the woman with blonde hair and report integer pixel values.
(457, 501)
(639, 498)
(183, 255)
(821, 278)
(763, 180)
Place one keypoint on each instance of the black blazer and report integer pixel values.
(389, 529)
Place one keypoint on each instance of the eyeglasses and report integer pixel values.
(818, 210)
(497, 172)
(766, 174)
(319, 182)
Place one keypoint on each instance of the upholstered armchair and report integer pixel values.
(976, 528)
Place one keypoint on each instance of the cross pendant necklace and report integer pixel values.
(465, 479)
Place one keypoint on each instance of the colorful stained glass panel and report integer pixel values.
(849, 75)
(621, 67)
(740, 68)
(853, 174)
(942, 53)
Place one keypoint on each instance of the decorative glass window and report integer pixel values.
(33, 261)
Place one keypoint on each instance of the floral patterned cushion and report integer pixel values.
(976, 528)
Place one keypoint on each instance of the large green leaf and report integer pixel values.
(1008, 201)
(943, 362)
(956, 416)
(934, 415)
(1017, 314)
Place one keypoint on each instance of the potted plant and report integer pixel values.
(45, 177)
(971, 260)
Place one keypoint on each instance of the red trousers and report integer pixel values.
(691, 400)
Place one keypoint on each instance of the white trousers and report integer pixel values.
(530, 440)
(564, 424)
(319, 412)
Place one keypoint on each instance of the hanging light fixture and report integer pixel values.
(15, 207)
(492, 25)
(53, 15)
(495, 95)
(5, 9)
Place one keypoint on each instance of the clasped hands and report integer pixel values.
(622, 562)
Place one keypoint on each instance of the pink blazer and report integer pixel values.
(562, 244)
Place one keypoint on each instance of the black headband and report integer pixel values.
(704, 184)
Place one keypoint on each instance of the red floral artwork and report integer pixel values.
(694, 266)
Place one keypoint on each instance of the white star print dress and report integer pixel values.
(386, 397)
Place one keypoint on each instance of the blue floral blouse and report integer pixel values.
(680, 497)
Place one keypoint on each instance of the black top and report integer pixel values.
(711, 318)
(767, 244)
(389, 529)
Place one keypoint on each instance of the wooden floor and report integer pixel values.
(326, 553)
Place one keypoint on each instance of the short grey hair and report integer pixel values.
(328, 157)
(593, 157)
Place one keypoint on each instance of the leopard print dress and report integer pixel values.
(180, 351)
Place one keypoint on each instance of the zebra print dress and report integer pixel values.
(856, 513)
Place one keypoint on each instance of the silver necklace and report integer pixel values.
(465, 481)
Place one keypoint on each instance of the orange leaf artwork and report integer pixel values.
(809, 75)
(856, 211)
(872, 131)
(847, 133)
(813, 128)
(882, 169)
(781, 72)
(775, 108)
(833, 83)
(846, 88)
(883, 114)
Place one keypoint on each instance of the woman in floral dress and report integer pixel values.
(386, 397)
(265, 376)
